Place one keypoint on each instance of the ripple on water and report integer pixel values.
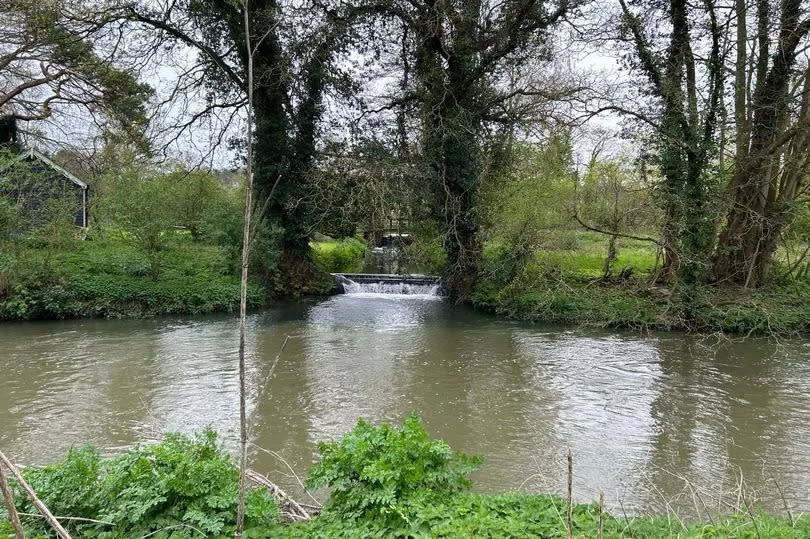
(641, 413)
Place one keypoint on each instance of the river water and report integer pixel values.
(658, 421)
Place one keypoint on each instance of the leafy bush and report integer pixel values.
(344, 256)
(386, 482)
(186, 486)
(374, 472)
(196, 192)
(222, 224)
(144, 208)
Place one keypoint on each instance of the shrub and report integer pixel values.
(345, 256)
(144, 209)
(183, 484)
(222, 224)
(375, 472)
(196, 192)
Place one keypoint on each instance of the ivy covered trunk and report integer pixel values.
(689, 119)
(458, 172)
(772, 158)
(282, 161)
(452, 127)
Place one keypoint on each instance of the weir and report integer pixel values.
(386, 283)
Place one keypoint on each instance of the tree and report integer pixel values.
(462, 56)
(772, 145)
(197, 192)
(49, 61)
(142, 207)
(288, 94)
(614, 200)
(685, 115)
(524, 208)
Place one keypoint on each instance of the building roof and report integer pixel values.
(34, 154)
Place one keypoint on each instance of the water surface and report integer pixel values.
(657, 421)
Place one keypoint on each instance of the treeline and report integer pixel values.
(427, 109)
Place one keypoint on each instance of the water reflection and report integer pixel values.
(650, 419)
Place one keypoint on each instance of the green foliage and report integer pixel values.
(386, 482)
(106, 277)
(143, 207)
(424, 253)
(37, 207)
(185, 485)
(64, 39)
(57, 229)
(222, 223)
(373, 472)
(529, 197)
(344, 256)
(562, 286)
(196, 192)
(9, 219)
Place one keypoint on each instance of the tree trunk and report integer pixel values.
(282, 163)
(451, 145)
(757, 215)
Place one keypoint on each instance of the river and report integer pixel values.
(658, 421)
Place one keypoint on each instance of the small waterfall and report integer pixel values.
(390, 287)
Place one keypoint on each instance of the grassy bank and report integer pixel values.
(342, 256)
(108, 277)
(565, 285)
(384, 481)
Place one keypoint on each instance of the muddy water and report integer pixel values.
(657, 421)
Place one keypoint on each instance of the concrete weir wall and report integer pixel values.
(346, 282)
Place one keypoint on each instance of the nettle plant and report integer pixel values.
(377, 472)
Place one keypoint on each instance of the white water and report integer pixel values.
(391, 289)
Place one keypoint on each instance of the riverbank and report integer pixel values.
(106, 277)
(396, 483)
(567, 286)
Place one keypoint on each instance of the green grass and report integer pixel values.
(584, 254)
(343, 256)
(565, 286)
(108, 277)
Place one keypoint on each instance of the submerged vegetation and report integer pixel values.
(384, 482)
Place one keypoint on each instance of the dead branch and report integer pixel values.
(77, 519)
(60, 531)
(12, 510)
(617, 234)
(291, 509)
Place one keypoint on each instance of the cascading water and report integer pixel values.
(390, 287)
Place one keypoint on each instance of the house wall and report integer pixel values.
(32, 182)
